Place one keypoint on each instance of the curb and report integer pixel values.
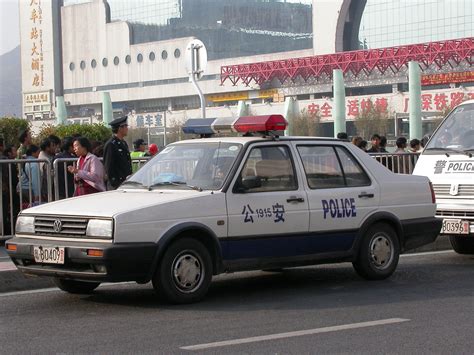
(13, 280)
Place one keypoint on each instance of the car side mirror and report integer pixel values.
(251, 182)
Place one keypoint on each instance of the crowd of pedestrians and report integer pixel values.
(25, 184)
(378, 144)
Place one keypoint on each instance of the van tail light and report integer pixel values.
(433, 196)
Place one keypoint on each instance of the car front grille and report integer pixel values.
(462, 214)
(60, 226)
(443, 190)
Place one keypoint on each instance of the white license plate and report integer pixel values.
(49, 255)
(455, 226)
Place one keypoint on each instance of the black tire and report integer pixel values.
(462, 244)
(184, 272)
(378, 254)
(73, 286)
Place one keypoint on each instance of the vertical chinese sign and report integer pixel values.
(36, 37)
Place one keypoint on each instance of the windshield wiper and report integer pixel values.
(173, 183)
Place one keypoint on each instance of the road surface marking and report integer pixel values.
(51, 289)
(295, 334)
(17, 293)
(429, 253)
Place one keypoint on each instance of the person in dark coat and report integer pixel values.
(67, 152)
(117, 161)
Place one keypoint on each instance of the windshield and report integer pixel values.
(456, 131)
(203, 165)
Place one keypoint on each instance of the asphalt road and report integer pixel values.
(427, 306)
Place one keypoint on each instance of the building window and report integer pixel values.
(105, 62)
(151, 56)
(139, 58)
(177, 53)
(164, 55)
(116, 60)
(128, 59)
(71, 66)
(93, 63)
(83, 65)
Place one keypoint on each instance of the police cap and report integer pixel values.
(118, 122)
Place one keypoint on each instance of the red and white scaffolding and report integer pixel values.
(439, 54)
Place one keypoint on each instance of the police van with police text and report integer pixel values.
(449, 163)
(213, 205)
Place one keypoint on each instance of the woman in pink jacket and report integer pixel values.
(88, 170)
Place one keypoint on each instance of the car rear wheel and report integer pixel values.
(73, 286)
(378, 253)
(184, 273)
(462, 245)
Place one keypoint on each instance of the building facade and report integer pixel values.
(135, 52)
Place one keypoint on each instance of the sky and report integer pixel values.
(9, 25)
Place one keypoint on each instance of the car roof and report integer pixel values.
(245, 140)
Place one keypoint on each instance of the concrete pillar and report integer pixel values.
(243, 108)
(61, 111)
(107, 113)
(339, 112)
(414, 88)
(290, 112)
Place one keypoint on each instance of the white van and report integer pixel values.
(448, 161)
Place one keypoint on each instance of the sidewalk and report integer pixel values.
(13, 280)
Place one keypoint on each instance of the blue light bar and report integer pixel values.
(199, 126)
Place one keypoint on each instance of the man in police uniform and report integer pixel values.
(117, 162)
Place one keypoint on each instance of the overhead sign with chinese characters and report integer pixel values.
(447, 78)
(37, 98)
(432, 100)
(145, 120)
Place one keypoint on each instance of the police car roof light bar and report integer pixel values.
(206, 127)
(266, 123)
(200, 126)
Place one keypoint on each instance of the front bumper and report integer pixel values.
(120, 262)
(420, 231)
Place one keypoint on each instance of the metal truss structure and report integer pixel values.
(439, 54)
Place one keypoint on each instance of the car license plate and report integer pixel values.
(49, 255)
(455, 226)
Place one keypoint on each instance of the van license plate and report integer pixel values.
(455, 226)
(49, 255)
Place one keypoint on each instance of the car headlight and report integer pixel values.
(99, 228)
(25, 224)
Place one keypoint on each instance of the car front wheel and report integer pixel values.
(462, 244)
(378, 253)
(184, 273)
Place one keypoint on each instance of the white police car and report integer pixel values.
(208, 206)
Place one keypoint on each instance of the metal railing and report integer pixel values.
(54, 182)
(399, 163)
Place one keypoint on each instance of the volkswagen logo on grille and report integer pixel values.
(57, 226)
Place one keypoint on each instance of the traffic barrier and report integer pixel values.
(399, 163)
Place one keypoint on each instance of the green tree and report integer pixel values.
(10, 128)
(94, 132)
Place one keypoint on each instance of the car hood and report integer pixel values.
(112, 203)
(442, 169)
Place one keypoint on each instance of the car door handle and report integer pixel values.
(295, 199)
(366, 195)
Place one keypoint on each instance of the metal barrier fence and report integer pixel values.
(399, 163)
(30, 182)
